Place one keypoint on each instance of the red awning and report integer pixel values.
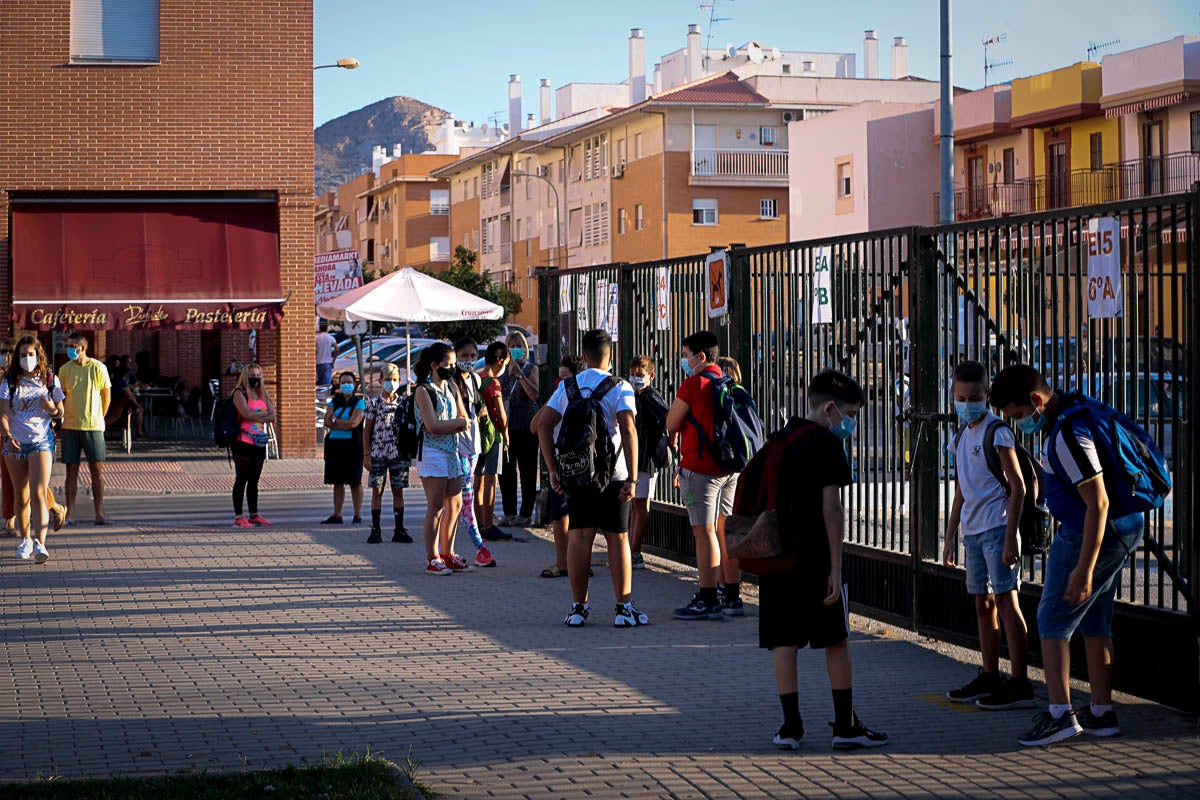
(1145, 105)
(138, 264)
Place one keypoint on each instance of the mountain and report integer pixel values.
(343, 145)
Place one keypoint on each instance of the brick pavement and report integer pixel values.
(181, 645)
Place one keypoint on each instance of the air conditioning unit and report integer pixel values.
(792, 116)
(541, 170)
(530, 272)
(618, 170)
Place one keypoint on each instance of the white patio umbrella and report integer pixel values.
(408, 296)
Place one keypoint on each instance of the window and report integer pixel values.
(467, 240)
(603, 224)
(621, 153)
(1195, 131)
(1096, 148)
(1010, 165)
(639, 221)
(475, 187)
(621, 222)
(439, 248)
(768, 208)
(439, 201)
(519, 236)
(637, 146)
(114, 31)
(787, 69)
(704, 211)
(845, 177)
(766, 136)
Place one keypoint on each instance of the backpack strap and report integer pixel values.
(603, 388)
(571, 387)
(991, 456)
(716, 387)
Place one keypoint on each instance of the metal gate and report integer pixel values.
(907, 305)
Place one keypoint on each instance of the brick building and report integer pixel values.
(157, 154)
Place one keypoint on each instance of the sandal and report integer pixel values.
(58, 517)
(554, 572)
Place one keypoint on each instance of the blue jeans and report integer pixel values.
(1093, 617)
(986, 571)
(325, 374)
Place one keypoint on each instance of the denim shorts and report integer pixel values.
(1093, 617)
(986, 571)
(26, 449)
(707, 496)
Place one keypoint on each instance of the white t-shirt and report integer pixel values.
(985, 504)
(325, 345)
(27, 420)
(619, 398)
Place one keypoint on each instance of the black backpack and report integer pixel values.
(408, 430)
(586, 456)
(227, 423)
(1033, 529)
(653, 439)
(738, 431)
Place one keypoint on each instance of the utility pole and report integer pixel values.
(946, 198)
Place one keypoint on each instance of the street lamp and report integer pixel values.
(342, 63)
(558, 232)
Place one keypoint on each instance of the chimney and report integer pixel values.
(398, 150)
(899, 58)
(694, 67)
(870, 55)
(514, 105)
(378, 158)
(544, 89)
(530, 121)
(657, 78)
(637, 66)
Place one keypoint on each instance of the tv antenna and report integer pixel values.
(713, 21)
(1094, 48)
(497, 118)
(988, 63)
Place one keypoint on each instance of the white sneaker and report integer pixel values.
(25, 549)
(40, 554)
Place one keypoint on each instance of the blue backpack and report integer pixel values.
(737, 429)
(1136, 476)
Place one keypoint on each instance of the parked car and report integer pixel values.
(382, 351)
(511, 327)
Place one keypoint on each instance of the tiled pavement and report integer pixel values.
(179, 645)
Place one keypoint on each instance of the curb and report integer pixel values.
(403, 781)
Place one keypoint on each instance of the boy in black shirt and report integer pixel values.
(806, 603)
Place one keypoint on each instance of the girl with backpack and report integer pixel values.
(255, 410)
(344, 447)
(442, 418)
(471, 443)
(30, 401)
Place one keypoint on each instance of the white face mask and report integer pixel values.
(29, 363)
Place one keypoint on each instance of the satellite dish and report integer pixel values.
(775, 54)
(730, 51)
(754, 53)
(483, 128)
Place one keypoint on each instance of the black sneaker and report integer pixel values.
(356, 521)
(698, 609)
(494, 534)
(856, 735)
(1013, 693)
(733, 606)
(332, 519)
(629, 617)
(376, 536)
(1048, 730)
(984, 684)
(789, 739)
(1104, 726)
(401, 536)
(578, 616)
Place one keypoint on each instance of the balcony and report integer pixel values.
(1127, 180)
(761, 167)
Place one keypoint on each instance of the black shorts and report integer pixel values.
(792, 612)
(558, 506)
(603, 511)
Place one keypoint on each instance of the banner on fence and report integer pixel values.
(602, 303)
(564, 294)
(614, 299)
(662, 297)
(718, 284)
(581, 301)
(822, 302)
(1104, 293)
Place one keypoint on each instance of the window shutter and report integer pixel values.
(114, 30)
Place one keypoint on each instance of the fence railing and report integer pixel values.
(726, 163)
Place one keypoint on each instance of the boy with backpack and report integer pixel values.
(592, 457)
(654, 451)
(1103, 472)
(795, 483)
(988, 509)
(720, 432)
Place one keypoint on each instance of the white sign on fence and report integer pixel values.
(581, 301)
(662, 299)
(822, 303)
(602, 303)
(335, 274)
(564, 294)
(614, 299)
(717, 265)
(1104, 294)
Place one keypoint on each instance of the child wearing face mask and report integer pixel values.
(381, 457)
(654, 452)
(344, 447)
(988, 514)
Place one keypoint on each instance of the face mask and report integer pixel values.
(845, 428)
(347, 388)
(72, 353)
(637, 381)
(518, 353)
(29, 363)
(391, 386)
(970, 411)
(254, 382)
(686, 365)
(1031, 424)
(466, 366)
(445, 373)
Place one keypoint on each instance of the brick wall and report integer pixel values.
(228, 108)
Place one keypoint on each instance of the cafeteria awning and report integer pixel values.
(135, 264)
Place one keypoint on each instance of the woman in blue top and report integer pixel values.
(343, 446)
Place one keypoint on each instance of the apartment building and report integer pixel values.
(408, 214)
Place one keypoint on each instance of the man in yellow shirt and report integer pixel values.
(87, 386)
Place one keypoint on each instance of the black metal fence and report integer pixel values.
(897, 310)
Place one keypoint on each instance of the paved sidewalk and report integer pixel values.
(180, 645)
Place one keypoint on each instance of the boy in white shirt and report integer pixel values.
(989, 516)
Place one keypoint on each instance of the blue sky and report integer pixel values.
(458, 56)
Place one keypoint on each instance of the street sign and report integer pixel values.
(822, 302)
(662, 297)
(718, 284)
(1105, 297)
(358, 327)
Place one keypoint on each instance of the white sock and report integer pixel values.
(1057, 710)
(1100, 711)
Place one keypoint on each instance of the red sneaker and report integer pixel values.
(483, 557)
(241, 522)
(457, 563)
(257, 519)
(437, 567)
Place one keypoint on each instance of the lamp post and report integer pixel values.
(558, 232)
(342, 63)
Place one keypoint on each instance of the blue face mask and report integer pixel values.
(391, 386)
(72, 353)
(518, 353)
(686, 364)
(970, 411)
(1031, 424)
(347, 388)
(845, 428)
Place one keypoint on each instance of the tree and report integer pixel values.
(463, 273)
